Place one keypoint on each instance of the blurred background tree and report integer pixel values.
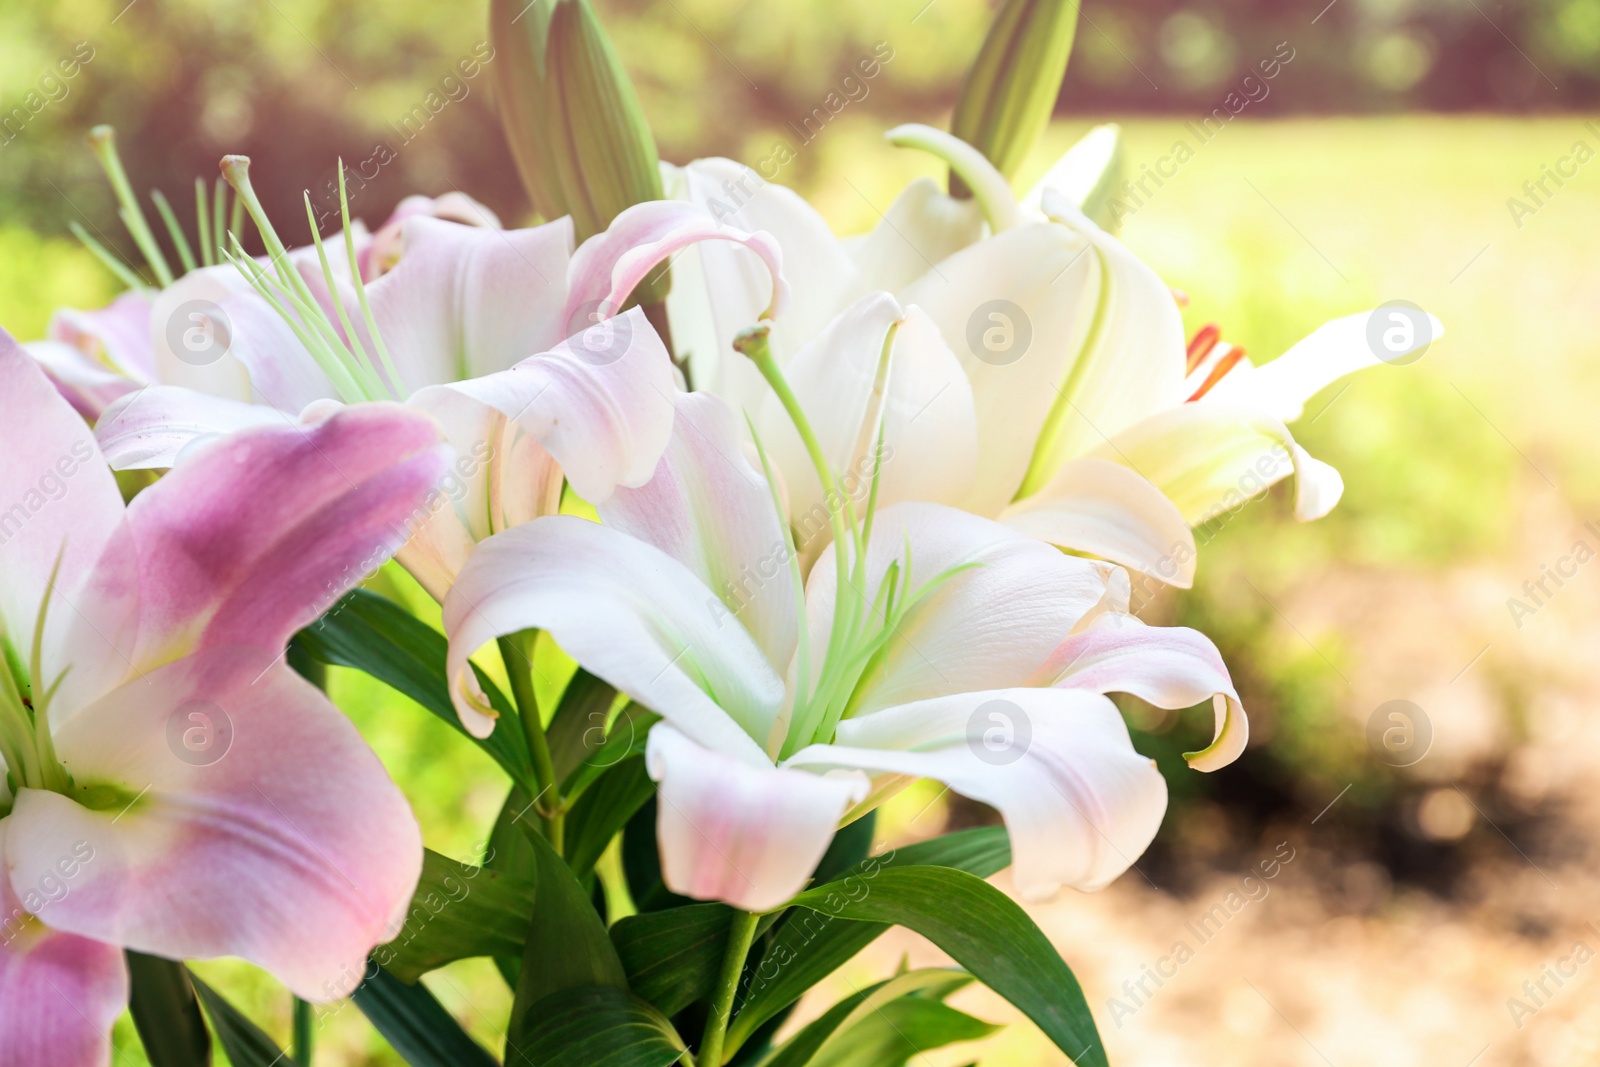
(301, 83)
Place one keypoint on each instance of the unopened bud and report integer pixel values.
(1010, 91)
(571, 115)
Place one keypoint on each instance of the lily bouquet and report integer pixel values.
(777, 523)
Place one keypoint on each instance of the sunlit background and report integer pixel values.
(1404, 150)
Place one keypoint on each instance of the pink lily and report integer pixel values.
(171, 785)
(510, 339)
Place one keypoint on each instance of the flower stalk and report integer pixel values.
(741, 934)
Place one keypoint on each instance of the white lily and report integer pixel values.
(1041, 375)
(789, 707)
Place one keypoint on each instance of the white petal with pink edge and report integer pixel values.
(1079, 803)
(1169, 666)
(709, 509)
(600, 402)
(743, 832)
(150, 429)
(627, 611)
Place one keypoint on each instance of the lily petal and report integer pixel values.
(500, 478)
(707, 508)
(237, 812)
(630, 613)
(193, 345)
(88, 384)
(1015, 309)
(1211, 458)
(58, 501)
(600, 402)
(150, 429)
(990, 626)
(1103, 508)
(930, 432)
(260, 533)
(739, 832)
(1282, 387)
(924, 226)
(465, 301)
(59, 993)
(1133, 362)
(116, 336)
(1168, 666)
(1079, 803)
(610, 265)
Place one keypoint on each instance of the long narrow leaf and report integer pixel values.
(416, 1024)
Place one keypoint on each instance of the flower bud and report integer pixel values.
(571, 114)
(1010, 91)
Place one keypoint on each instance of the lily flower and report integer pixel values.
(170, 784)
(927, 642)
(499, 335)
(1042, 374)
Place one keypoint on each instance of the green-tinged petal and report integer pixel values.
(1211, 458)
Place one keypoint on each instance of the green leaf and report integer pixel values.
(567, 945)
(246, 1044)
(166, 1014)
(673, 957)
(625, 737)
(851, 845)
(641, 861)
(603, 810)
(987, 933)
(416, 1024)
(459, 912)
(885, 1025)
(593, 1025)
(807, 947)
(579, 726)
(374, 634)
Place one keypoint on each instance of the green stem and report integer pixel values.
(741, 933)
(303, 1029)
(517, 652)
